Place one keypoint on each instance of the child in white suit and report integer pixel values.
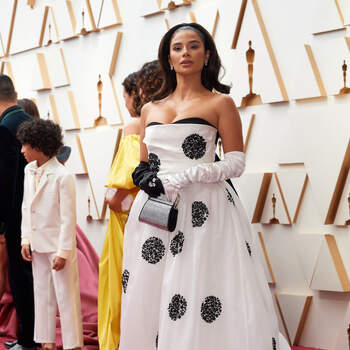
(48, 235)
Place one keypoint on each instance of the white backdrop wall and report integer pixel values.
(298, 147)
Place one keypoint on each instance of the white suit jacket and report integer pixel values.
(49, 213)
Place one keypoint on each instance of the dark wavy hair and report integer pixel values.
(210, 73)
(7, 89)
(130, 86)
(29, 107)
(43, 135)
(149, 81)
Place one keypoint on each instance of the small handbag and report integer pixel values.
(161, 213)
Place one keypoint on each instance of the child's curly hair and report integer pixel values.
(43, 135)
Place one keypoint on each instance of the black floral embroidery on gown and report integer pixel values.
(229, 197)
(154, 162)
(194, 146)
(157, 341)
(200, 213)
(211, 309)
(249, 248)
(177, 243)
(177, 307)
(153, 250)
(125, 279)
(274, 344)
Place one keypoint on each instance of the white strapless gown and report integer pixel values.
(201, 287)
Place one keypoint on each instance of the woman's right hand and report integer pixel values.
(115, 203)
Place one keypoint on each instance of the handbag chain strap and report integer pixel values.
(176, 202)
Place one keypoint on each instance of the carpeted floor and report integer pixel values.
(3, 339)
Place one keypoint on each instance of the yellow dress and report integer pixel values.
(110, 265)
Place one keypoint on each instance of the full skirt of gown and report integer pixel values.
(201, 287)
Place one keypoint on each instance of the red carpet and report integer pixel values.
(2, 341)
(302, 348)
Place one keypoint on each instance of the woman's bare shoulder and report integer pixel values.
(133, 127)
(224, 99)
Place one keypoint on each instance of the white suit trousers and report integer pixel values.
(52, 288)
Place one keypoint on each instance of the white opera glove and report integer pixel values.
(233, 165)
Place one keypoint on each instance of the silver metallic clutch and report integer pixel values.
(161, 213)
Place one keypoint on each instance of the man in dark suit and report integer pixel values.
(12, 165)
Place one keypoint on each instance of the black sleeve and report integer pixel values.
(9, 157)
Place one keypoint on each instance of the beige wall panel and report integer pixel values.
(294, 135)
(294, 310)
(310, 218)
(342, 238)
(325, 275)
(343, 339)
(343, 212)
(308, 249)
(328, 18)
(56, 67)
(98, 147)
(89, 228)
(292, 184)
(78, 7)
(208, 16)
(344, 7)
(325, 320)
(228, 16)
(25, 66)
(5, 22)
(86, 84)
(179, 15)
(330, 65)
(164, 3)
(65, 112)
(74, 163)
(2, 46)
(281, 213)
(44, 105)
(287, 44)
(323, 160)
(264, 78)
(53, 33)
(248, 187)
(267, 137)
(265, 258)
(96, 8)
(110, 14)
(27, 37)
(150, 7)
(247, 129)
(90, 110)
(63, 21)
(41, 77)
(283, 256)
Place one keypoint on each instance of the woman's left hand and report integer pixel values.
(171, 189)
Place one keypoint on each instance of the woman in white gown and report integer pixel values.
(202, 286)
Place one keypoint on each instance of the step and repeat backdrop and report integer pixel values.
(287, 62)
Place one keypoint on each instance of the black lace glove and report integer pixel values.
(147, 180)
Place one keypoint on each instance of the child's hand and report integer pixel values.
(26, 254)
(58, 263)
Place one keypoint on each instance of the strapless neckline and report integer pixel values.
(191, 120)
